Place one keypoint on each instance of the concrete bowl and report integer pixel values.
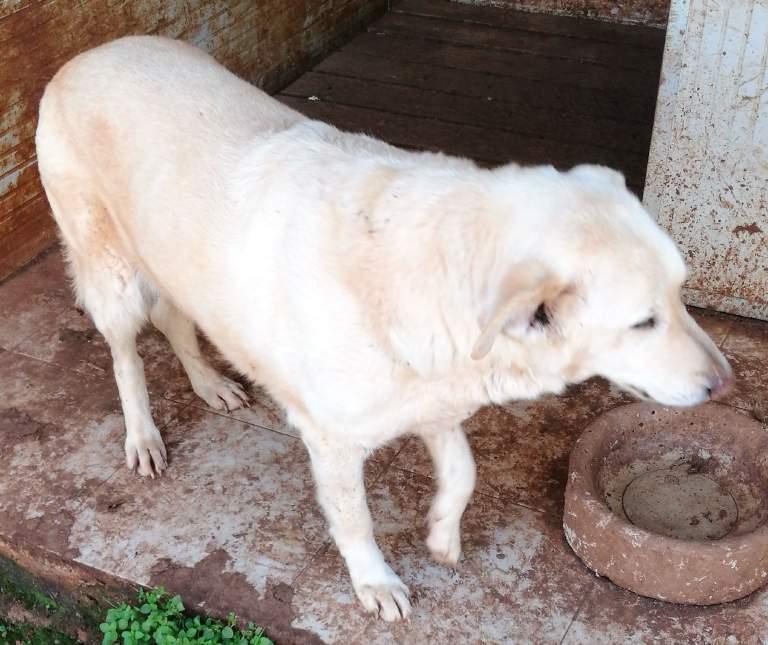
(672, 503)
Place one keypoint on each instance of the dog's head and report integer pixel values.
(596, 290)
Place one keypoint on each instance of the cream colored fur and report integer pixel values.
(374, 292)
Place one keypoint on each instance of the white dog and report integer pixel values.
(374, 292)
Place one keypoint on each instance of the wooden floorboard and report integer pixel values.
(406, 47)
(614, 56)
(566, 99)
(494, 85)
(484, 111)
(628, 36)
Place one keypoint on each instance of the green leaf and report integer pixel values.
(160, 619)
(176, 604)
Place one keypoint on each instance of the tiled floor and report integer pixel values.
(233, 525)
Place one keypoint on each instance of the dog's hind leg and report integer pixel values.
(338, 471)
(455, 471)
(216, 390)
(116, 296)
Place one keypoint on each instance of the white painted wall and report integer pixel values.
(707, 179)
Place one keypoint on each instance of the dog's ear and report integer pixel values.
(518, 296)
(594, 172)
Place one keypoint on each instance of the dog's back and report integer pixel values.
(139, 133)
(138, 141)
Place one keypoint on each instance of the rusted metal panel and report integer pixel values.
(267, 42)
(707, 179)
(652, 13)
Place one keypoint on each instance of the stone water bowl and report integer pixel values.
(672, 503)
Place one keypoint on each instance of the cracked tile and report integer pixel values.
(262, 411)
(612, 615)
(43, 322)
(516, 582)
(229, 486)
(61, 436)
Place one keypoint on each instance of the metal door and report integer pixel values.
(707, 178)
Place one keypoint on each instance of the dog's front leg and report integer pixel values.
(455, 471)
(338, 470)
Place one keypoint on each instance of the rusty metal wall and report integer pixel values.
(268, 42)
(707, 178)
(652, 13)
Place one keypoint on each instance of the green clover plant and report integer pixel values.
(159, 619)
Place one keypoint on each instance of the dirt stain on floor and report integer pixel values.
(223, 592)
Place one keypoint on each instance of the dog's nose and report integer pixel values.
(720, 386)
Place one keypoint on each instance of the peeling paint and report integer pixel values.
(751, 229)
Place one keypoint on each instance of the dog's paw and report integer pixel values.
(145, 453)
(388, 600)
(220, 393)
(444, 541)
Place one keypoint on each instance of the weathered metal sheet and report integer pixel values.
(707, 178)
(267, 42)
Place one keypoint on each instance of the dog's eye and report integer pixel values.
(648, 323)
(541, 317)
